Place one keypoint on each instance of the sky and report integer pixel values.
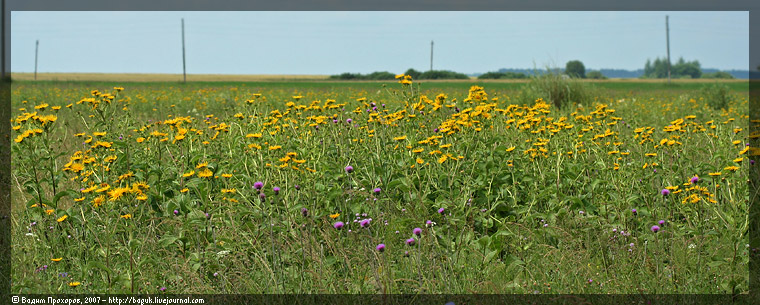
(363, 42)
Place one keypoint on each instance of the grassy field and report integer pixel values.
(223, 186)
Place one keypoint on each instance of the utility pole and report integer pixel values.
(184, 69)
(431, 55)
(36, 49)
(667, 37)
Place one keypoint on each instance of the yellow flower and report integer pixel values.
(401, 138)
(418, 150)
(74, 284)
(188, 174)
(184, 190)
(739, 160)
(714, 174)
(201, 165)
(63, 218)
(56, 259)
(98, 201)
(205, 173)
(442, 159)
(420, 161)
(116, 193)
(651, 155)
(333, 216)
(275, 147)
(510, 149)
(731, 168)
(227, 175)
(142, 197)
(79, 199)
(127, 216)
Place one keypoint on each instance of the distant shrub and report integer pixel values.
(413, 73)
(503, 75)
(716, 95)
(718, 75)
(383, 75)
(558, 90)
(595, 75)
(442, 74)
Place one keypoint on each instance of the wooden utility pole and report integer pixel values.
(184, 69)
(667, 38)
(36, 49)
(431, 55)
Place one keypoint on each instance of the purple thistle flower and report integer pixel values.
(304, 212)
(440, 211)
(665, 192)
(417, 231)
(751, 162)
(429, 222)
(694, 179)
(216, 274)
(349, 169)
(406, 253)
(164, 288)
(410, 241)
(661, 222)
(335, 121)
(263, 197)
(634, 211)
(258, 185)
(176, 212)
(364, 223)
(338, 225)
(349, 121)
(655, 229)
(208, 216)
(581, 212)
(380, 247)
(377, 190)
(298, 187)
(276, 190)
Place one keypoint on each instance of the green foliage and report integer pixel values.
(681, 69)
(441, 74)
(413, 73)
(718, 75)
(575, 68)
(595, 75)
(716, 95)
(503, 75)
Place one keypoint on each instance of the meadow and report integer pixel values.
(379, 188)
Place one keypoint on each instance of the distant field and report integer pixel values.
(148, 77)
(133, 77)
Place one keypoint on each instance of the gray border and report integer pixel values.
(390, 5)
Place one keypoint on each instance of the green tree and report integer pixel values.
(595, 75)
(413, 73)
(575, 68)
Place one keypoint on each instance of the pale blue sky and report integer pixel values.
(336, 42)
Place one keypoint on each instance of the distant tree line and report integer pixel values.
(681, 69)
(432, 74)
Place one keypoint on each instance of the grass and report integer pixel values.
(534, 198)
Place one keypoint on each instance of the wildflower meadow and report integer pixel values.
(396, 187)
